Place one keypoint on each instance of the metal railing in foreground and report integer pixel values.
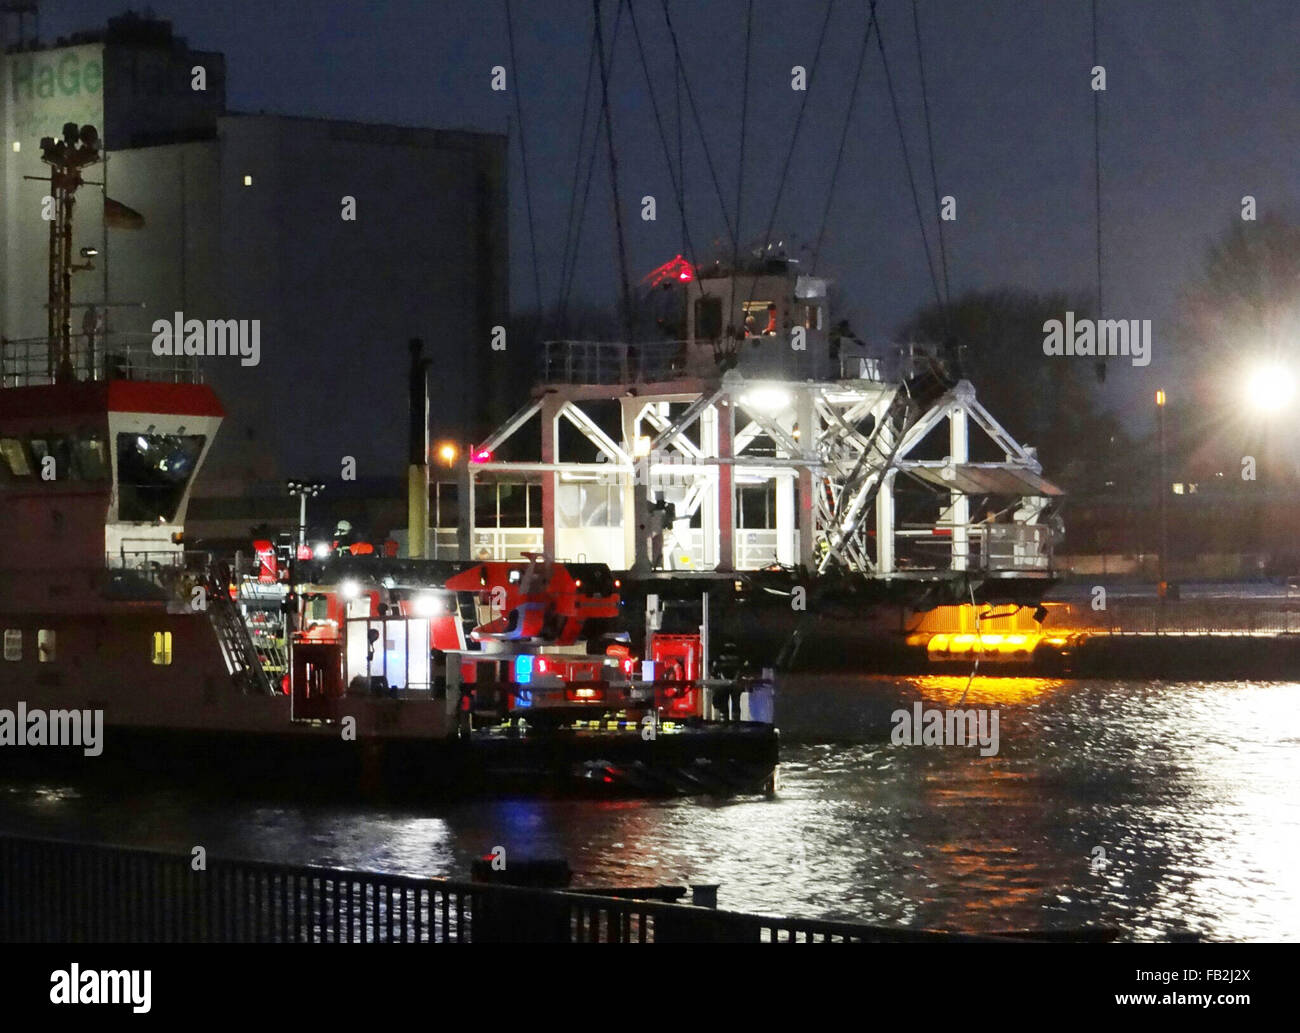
(54, 891)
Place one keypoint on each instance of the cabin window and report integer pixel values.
(13, 643)
(13, 459)
(56, 447)
(91, 456)
(162, 648)
(45, 645)
(153, 471)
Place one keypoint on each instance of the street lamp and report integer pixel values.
(1164, 492)
(1270, 387)
(304, 490)
(447, 453)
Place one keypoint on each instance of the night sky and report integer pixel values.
(1202, 107)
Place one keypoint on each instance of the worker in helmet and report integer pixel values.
(343, 535)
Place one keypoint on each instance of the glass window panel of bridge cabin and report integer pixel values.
(59, 447)
(90, 456)
(14, 464)
(153, 471)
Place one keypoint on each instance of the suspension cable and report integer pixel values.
(934, 175)
(523, 153)
(1096, 168)
(794, 137)
(591, 166)
(907, 161)
(679, 186)
(695, 114)
(613, 176)
(740, 171)
(573, 191)
(844, 134)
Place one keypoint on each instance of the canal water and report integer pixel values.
(1162, 810)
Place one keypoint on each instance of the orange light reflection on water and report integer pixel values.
(948, 688)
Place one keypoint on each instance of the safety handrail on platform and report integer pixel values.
(617, 362)
(34, 361)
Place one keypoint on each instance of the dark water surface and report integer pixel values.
(1189, 789)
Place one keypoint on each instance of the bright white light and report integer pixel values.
(349, 590)
(322, 550)
(1270, 387)
(766, 399)
(428, 605)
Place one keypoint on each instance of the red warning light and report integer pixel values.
(481, 455)
(676, 268)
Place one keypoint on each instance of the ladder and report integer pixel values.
(236, 642)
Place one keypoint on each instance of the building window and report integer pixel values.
(162, 647)
(45, 645)
(13, 643)
(248, 181)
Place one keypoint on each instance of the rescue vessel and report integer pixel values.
(335, 667)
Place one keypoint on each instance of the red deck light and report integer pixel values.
(481, 455)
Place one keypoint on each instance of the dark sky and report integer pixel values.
(1202, 106)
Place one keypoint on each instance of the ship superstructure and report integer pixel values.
(768, 436)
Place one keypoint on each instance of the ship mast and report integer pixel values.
(66, 158)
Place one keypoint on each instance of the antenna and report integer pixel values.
(66, 158)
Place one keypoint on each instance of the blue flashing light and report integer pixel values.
(523, 669)
(523, 699)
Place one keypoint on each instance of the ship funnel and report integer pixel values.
(417, 478)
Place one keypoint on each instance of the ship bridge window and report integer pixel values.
(13, 459)
(90, 452)
(45, 645)
(153, 471)
(13, 643)
(162, 648)
(58, 448)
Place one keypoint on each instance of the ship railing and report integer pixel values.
(611, 363)
(989, 548)
(176, 570)
(35, 361)
(54, 891)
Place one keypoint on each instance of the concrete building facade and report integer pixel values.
(343, 240)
